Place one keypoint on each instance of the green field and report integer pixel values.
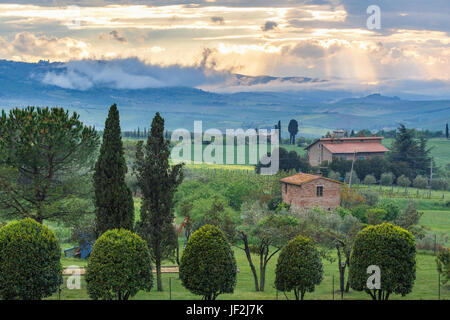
(426, 286)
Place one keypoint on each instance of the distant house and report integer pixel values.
(306, 191)
(327, 149)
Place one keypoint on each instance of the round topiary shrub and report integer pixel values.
(208, 267)
(393, 250)
(119, 266)
(30, 267)
(299, 267)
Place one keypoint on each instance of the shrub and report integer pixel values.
(443, 265)
(375, 216)
(392, 209)
(273, 203)
(207, 266)
(119, 266)
(30, 266)
(393, 250)
(299, 267)
(349, 198)
(360, 212)
(371, 197)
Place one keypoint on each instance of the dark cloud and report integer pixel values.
(218, 20)
(269, 25)
(117, 35)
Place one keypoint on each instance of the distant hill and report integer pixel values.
(24, 84)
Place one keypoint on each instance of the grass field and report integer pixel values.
(426, 286)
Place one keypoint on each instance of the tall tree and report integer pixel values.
(446, 131)
(113, 199)
(46, 157)
(409, 155)
(293, 130)
(158, 182)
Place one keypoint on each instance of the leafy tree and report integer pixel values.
(404, 182)
(355, 178)
(439, 184)
(409, 155)
(45, 159)
(119, 266)
(30, 267)
(409, 219)
(387, 179)
(289, 161)
(420, 182)
(208, 267)
(299, 267)
(443, 265)
(395, 250)
(113, 199)
(334, 175)
(369, 179)
(263, 233)
(158, 182)
(293, 130)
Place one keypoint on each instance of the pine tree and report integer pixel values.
(113, 199)
(158, 182)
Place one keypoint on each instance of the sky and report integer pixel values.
(323, 39)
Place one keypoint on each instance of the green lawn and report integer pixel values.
(425, 286)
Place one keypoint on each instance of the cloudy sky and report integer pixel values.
(325, 39)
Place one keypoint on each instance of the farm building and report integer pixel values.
(306, 191)
(327, 149)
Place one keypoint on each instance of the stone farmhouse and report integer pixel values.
(306, 191)
(327, 149)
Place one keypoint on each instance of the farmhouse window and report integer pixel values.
(319, 191)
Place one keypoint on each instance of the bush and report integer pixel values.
(375, 216)
(273, 203)
(443, 266)
(207, 266)
(392, 209)
(299, 267)
(371, 197)
(119, 266)
(30, 266)
(393, 250)
(360, 212)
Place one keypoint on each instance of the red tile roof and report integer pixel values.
(358, 147)
(301, 178)
(344, 140)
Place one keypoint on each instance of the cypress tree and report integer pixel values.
(158, 182)
(113, 199)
